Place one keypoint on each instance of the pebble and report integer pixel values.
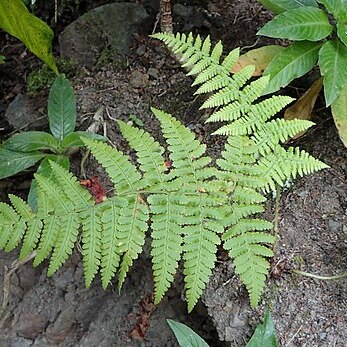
(183, 11)
(22, 113)
(138, 79)
(141, 50)
(334, 225)
(30, 325)
(153, 72)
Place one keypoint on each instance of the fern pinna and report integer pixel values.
(253, 159)
(185, 208)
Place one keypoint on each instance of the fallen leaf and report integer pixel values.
(302, 109)
(142, 318)
(339, 111)
(259, 57)
(95, 188)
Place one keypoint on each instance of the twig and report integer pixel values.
(319, 277)
(165, 16)
(293, 337)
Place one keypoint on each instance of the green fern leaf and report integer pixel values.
(278, 130)
(71, 187)
(168, 214)
(24, 212)
(91, 241)
(9, 218)
(133, 226)
(111, 239)
(249, 260)
(149, 154)
(122, 173)
(66, 238)
(50, 229)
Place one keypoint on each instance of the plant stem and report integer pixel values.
(319, 277)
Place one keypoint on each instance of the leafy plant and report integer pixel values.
(2, 59)
(36, 35)
(23, 150)
(264, 335)
(318, 39)
(189, 204)
(186, 336)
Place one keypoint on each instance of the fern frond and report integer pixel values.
(232, 90)
(71, 187)
(149, 153)
(200, 247)
(132, 228)
(185, 151)
(10, 219)
(121, 171)
(91, 240)
(168, 214)
(18, 229)
(281, 165)
(110, 241)
(249, 260)
(66, 238)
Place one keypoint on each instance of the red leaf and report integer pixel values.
(95, 188)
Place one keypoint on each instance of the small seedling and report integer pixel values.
(25, 149)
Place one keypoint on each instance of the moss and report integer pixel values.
(42, 78)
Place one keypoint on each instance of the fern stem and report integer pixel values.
(319, 277)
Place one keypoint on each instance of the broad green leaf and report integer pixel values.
(339, 111)
(265, 334)
(2, 59)
(12, 162)
(258, 57)
(74, 139)
(61, 108)
(45, 170)
(333, 63)
(185, 336)
(296, 60)
(303, 23)
(335, 7)
(342, 32)
(31, 141)
(32, 31)
(279, 6)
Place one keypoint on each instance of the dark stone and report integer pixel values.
(30, 325)
(62, 327)
(102, 33)
(22, 114)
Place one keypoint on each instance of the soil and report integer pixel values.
(310, 215)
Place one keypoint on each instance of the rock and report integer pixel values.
(62, 327)
(22, 114)
(141, 50)
(18, 342)
(64, 278)
(30, 325)
(102, 33)
(138, 79)
(28, 277)
(334, 225)
(183, 11)
(153, 72)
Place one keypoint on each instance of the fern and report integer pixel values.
(253, 160)
(188, 209)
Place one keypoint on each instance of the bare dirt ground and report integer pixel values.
(311, 219)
